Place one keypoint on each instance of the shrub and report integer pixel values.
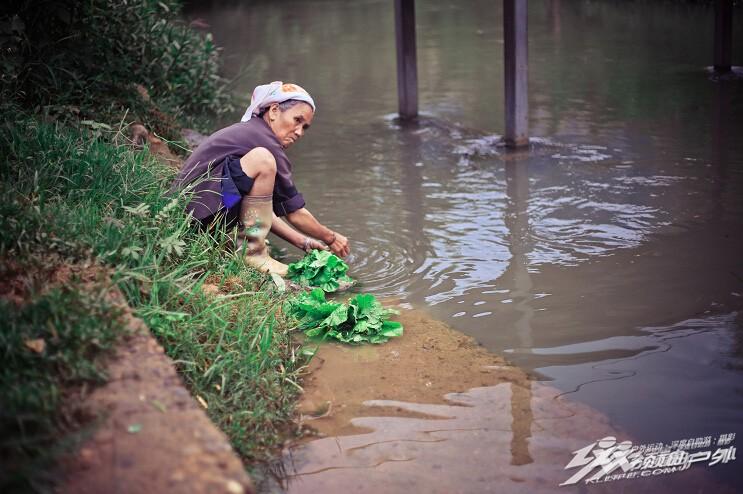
(67, 57)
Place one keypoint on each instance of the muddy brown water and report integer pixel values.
(604, 262)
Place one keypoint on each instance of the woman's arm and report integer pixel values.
(305, 222)
(280, 228)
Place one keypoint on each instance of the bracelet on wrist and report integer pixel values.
(306, 244)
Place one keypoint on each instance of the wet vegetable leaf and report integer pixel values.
(320, 268)
(360, 320)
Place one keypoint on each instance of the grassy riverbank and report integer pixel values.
(74, 198)
(83, 211)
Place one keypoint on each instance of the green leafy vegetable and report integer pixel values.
(362, 320)
(322, 269)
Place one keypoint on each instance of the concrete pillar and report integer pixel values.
(723, 35)
(407, 62)
(516, 62)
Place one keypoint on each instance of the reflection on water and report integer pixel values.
(507, 438)
(699, 353)
(517, 222)
(624, 215)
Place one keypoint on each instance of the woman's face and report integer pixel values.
(289, 125)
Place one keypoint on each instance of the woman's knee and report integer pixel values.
(258, 161)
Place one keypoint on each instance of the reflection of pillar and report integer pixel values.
(411, 181)
(517, 223)
(556, 21)
(720, 139)
(522, 417)
(721, 124)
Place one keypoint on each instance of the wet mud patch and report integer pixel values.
(432, 411)
(429, 361)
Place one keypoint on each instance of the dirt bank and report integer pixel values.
(153, 435)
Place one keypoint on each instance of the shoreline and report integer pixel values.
(435, 411)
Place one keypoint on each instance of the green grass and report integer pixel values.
(76, 195)
(72, 195)
(78, 327)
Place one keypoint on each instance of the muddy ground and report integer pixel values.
(432, 411)
(428, 362)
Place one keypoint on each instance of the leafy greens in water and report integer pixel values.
(322, 269)
(362, 320)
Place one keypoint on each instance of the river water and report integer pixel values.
(605, 261)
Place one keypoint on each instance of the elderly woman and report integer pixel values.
(241, 174)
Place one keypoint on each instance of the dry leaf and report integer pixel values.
(159, 405)
(202, 401)
(38, 345)
(279, 282)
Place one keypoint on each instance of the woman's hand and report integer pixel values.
(339, 245)
(312, 244)
(306, 223)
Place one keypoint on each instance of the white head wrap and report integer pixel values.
(276, 92)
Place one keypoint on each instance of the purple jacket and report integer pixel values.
(206, 166)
